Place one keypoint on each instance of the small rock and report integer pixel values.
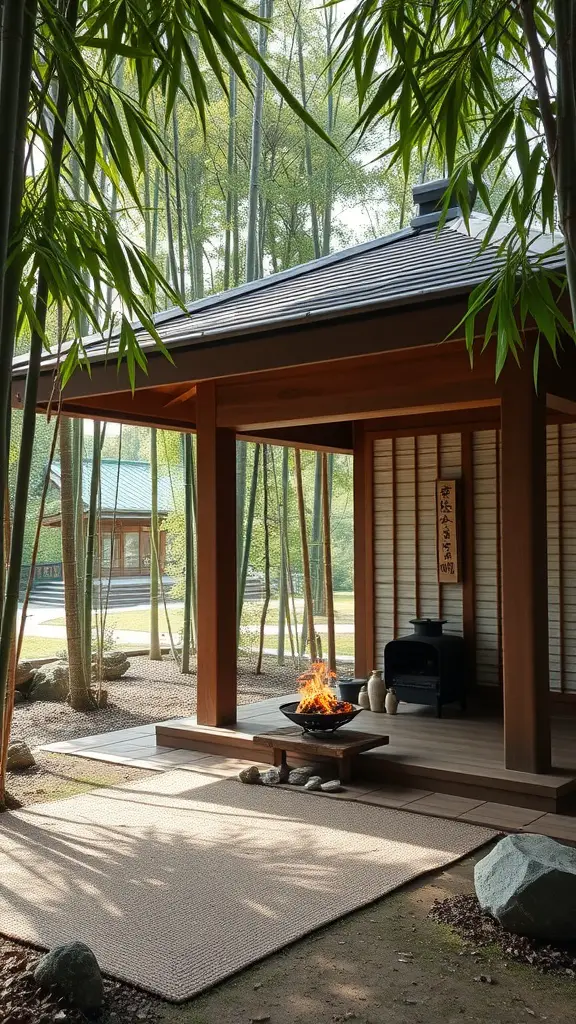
(300, 776)
(73, 969)
(260, 1020)
(314, 782)
(19, 756)
(250, 776)
(486, 979)
(332, 786)
(271, 777)
(60, 1015)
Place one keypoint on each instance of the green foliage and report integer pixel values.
(476, 88)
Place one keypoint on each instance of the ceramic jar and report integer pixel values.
(364, 699)
(391, 702)
(376, 691)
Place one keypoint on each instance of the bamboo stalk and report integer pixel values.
(155, 654)
(305, 557)
(328, 585)
(266, 558)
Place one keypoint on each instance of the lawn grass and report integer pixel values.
(140, 619)
(42, 647)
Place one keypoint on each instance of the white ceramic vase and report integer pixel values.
(364, 699)
(391, 702)
(376, 691)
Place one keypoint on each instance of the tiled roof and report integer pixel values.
(404, 268)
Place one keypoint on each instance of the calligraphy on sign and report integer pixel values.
(447, 531)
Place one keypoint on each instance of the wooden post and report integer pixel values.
(524, 573)
(364, 625)
(216, 489)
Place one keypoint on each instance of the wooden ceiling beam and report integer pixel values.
(433, 379)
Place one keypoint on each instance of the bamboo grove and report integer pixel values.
(158, 150)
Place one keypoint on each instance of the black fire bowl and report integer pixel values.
(316, 722)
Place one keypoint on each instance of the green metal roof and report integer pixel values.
(132, 481)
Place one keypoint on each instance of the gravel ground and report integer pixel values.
(464, 915)
(149, 692)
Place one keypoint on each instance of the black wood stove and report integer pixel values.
(427, 667)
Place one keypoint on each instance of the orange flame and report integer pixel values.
(317, 696)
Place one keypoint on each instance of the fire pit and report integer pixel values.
(319, 710)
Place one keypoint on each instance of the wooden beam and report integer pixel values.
(524, 573)
(434, 379)
(205, 359)
(216, 539)
(364, 624)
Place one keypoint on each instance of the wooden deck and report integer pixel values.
(455, 754)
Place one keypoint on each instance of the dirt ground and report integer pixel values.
(387, 964)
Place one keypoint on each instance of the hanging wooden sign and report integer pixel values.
(447, 531)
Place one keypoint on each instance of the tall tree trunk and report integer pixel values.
(90, 545)
(328, 180)
(309, 604)
(266, 524)
(77, 428)
(80, 698)
(231, 183)
(173, 266)
(283, 610)
(265, 12)
(179, 210)
(155, 213)
(11, 691)
(155, 567)
(248, 534)
(16, 54)
(10, 609)
(316, 560)
(307, 148)
(328, 564)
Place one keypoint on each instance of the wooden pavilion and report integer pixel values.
(348, 354)
(124, 514)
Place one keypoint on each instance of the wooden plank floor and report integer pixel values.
(462, 755)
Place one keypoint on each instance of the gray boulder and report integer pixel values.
(528, 883)
(314, 782)
(271, 777)
(24, 675)
(73, 970)
(115, 664)
(51, 682)
(19, 756)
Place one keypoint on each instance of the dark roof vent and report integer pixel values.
(429, 197)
